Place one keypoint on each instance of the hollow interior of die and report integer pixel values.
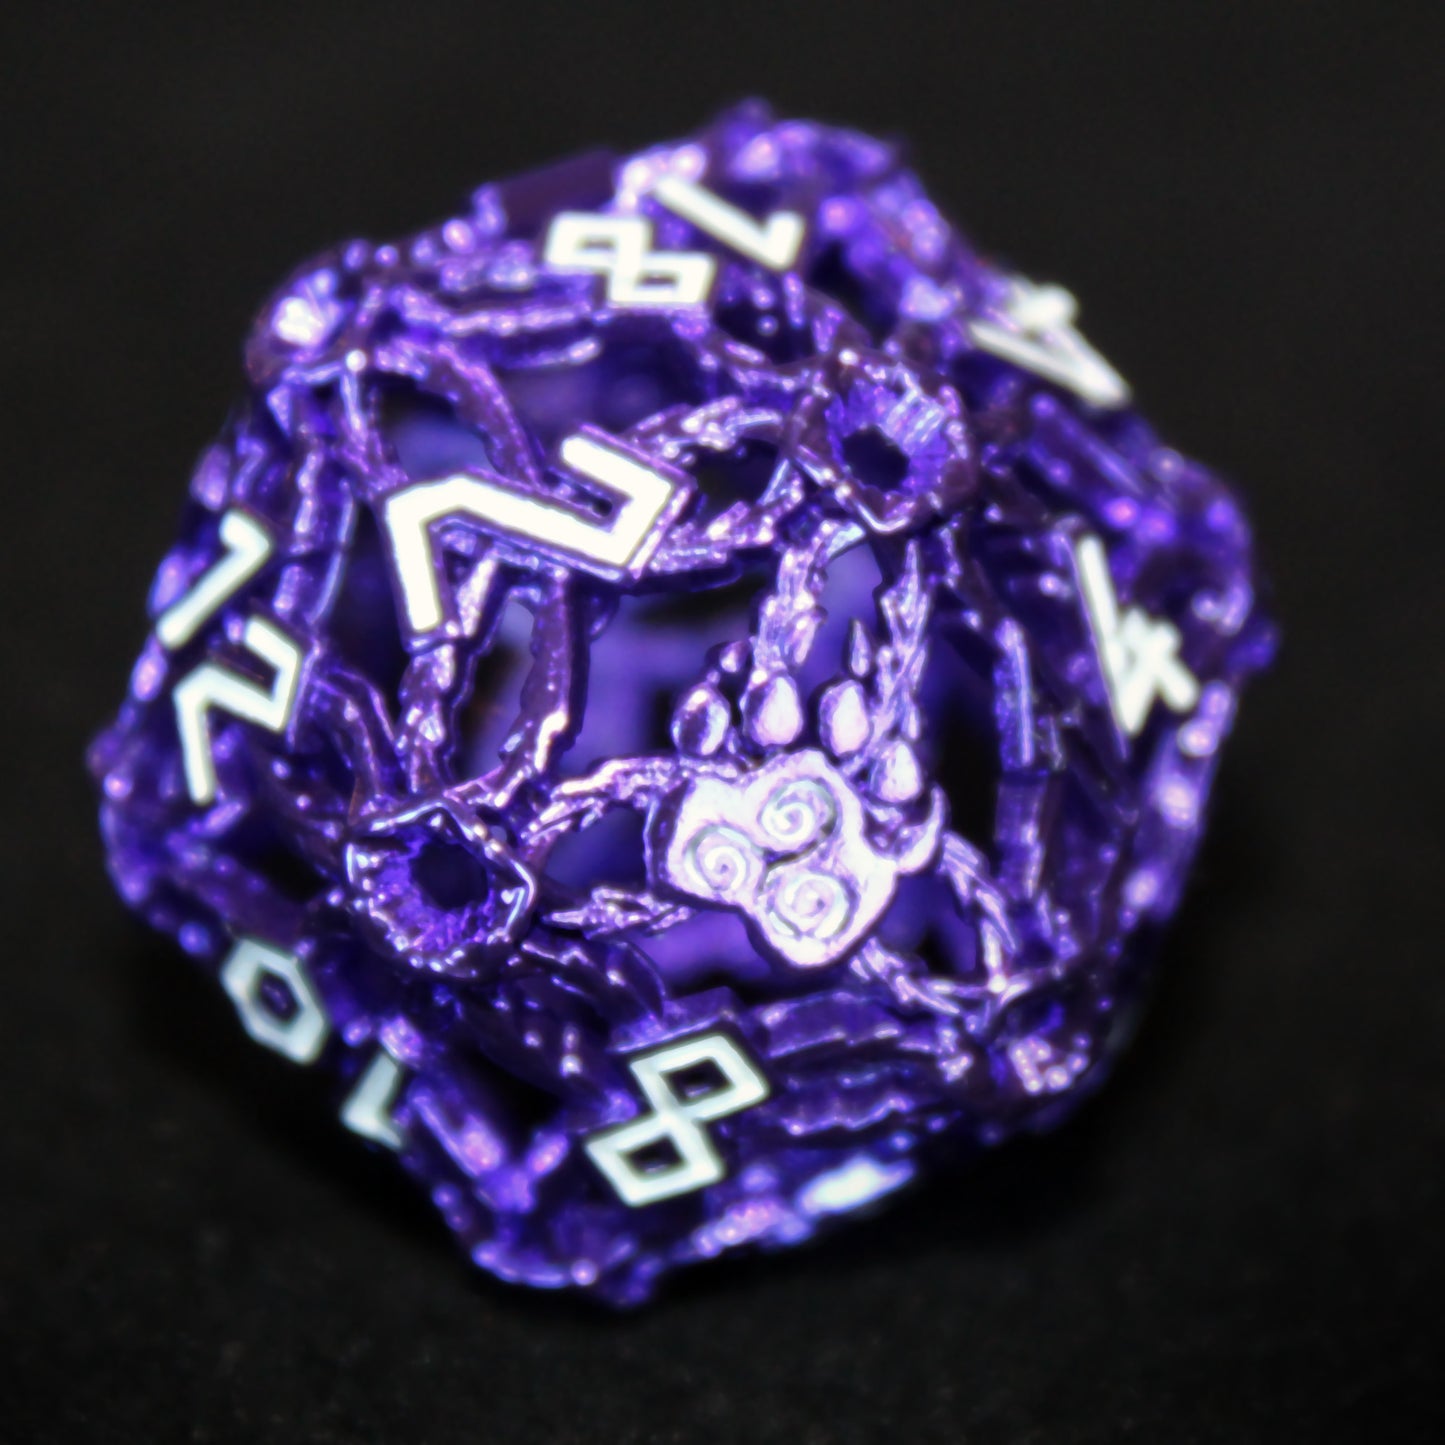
(427, 437)
(612, 380)
(646, 657)
(364, 629)
(654, 644)
(651, 651)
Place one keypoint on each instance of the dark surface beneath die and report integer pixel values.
(1240, 1238)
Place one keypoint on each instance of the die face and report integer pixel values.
(692, 679)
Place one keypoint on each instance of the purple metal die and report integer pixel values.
(681, 688)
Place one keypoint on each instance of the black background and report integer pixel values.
(1240, 1240)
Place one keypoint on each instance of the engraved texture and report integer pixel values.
(681, 688)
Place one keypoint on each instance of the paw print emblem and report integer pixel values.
(799, 813)
(787, 845)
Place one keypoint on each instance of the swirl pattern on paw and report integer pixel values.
(681, 688)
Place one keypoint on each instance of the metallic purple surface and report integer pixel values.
(684, 688)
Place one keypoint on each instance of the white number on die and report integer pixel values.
(1037, 332)
(301, 1031)
(620, 247)
(299, 1034)
(1138, 654)
(247, 547)
(213, 686)
(644, 500)
(772, 243)
(368, 1108)
(676, 1121)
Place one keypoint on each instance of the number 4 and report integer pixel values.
(1138, 654)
